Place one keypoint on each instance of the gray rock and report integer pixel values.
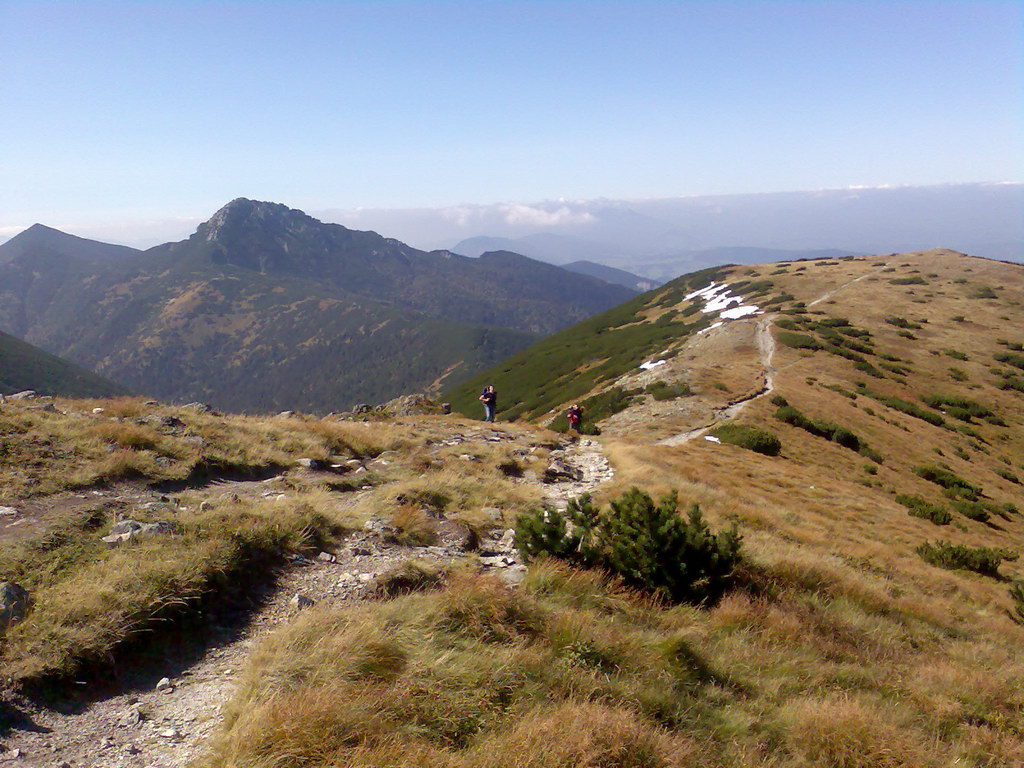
(559, 470)
(285, 414)
(14, 601)
(446, 408)
(28, 394)
(130, 530)
(201, 407)
(300, 602)
(8, 511)
(307, 463)
(328, 557)
(513, 575)
(165, 685)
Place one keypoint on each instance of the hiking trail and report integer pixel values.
(136, 723)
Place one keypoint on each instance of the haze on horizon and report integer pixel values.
(132, 122)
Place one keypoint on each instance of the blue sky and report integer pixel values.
(119, 113)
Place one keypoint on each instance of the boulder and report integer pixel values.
(300, 602)
(8, 512)
(559, 471)
(307, 463)
(131, 530)
(13, 603)
(410, 405)
(28, 394)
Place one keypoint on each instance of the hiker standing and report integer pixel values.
(575, 414)
(489, 397)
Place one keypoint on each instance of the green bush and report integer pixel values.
(909, 281)
(662, 390)
(1017, 361)
(972, 510)
(751, 438)
(911, 409)
(958, 407)
(779, 400)
(983, 292)
(902, 322)
(798, 340)
(956, 354)
(1008, 475)
(918, 507)
(948, 480)
(652, 547)
(1017, 595)
(983, 560)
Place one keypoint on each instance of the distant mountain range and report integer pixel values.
(661, 238)
(23, 366)
(267, 308)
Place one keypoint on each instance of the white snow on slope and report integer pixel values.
(647, 366)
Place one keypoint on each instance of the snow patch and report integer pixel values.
(738, 312)
(712, 439)
(648, 365)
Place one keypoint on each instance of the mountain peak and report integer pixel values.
(40, 238)
(272, 218)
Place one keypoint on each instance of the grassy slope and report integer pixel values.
(89, 600)
(840, 648)
(23, 366)
(569, 364)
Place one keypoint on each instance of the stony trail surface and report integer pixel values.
(137, 722)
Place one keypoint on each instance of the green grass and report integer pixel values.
(662, 390)
(569, 364)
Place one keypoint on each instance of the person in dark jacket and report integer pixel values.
(575, 414)
(489, 397)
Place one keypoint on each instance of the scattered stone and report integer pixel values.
(8, 511)
(170, 733)
(409, 405)
(130, 530)
(28, 394)
(492, 513)
(14, 600)
(361, 409)
(365, 577)
(14, 754)
(205, 505)
(361, 551)
(446, 408)
(165, 685)
(300, 602)
(200, 407)
(513, 575)
(98, 411)
(307, 463)
(328, 557)
(47, 408)
(285, 414)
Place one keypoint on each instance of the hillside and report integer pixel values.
(265, 308)
(858, 421)
(24, 367)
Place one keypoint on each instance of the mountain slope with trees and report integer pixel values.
(266, 308)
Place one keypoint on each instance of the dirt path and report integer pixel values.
(766, 351)
(143, 724)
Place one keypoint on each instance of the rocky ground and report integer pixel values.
(160, 714)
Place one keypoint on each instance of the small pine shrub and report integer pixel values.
(909, 281)
(948, 480)
(906, 335)
(1017, 595)
(972, 510)
(779, 400)
(983, 292)
(798, 340)
(918, 507)
(956, 354)
(751, 438)
(957, 374)
(1017, 361)
(662, 390)
(983, 560)
(902, 322)
(651, 546)
(1008, 475)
